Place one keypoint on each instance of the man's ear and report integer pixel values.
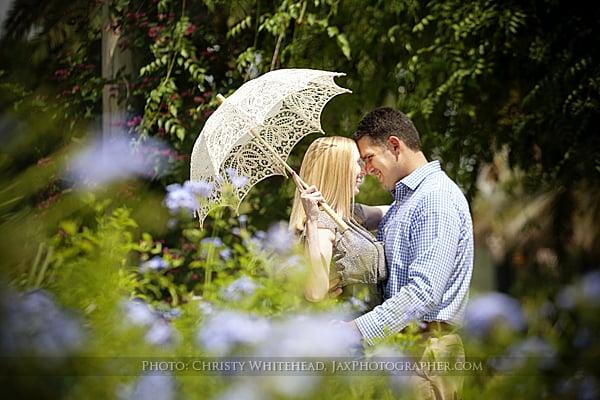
(395, 144)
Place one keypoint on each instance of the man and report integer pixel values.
(428, 240)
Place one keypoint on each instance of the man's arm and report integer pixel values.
(372, 215)
(435, 234)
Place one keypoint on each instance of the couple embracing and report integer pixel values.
(418, 267)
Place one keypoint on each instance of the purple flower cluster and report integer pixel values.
(239, 289)
(159, 331)
(488, 310)
(159, 387)
(223, 331)
(533, 351)
(309, 336)
(156, 263)
(105, 161)
(238, 181)
(295, 336)
(185, 197)
(278, 239)
(585, 292)
(33, 324)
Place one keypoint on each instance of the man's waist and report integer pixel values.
(434, 327)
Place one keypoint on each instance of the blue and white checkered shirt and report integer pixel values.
(428, 239)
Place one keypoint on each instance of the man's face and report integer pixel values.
(380, 161)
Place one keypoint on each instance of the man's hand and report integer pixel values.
(350, 328)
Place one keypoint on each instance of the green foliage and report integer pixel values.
(90, 264)
(477, 77)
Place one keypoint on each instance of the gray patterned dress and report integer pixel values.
(358, 259)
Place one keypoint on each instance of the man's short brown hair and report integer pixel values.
(384, 122)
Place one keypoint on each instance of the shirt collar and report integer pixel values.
(414, 179)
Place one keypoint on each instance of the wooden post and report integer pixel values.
(114, 59)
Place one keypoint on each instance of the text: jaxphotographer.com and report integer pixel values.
(332, 366)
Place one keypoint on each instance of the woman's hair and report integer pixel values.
(327, 164)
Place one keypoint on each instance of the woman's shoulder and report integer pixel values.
(324, 221)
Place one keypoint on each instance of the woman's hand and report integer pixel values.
(310, 198)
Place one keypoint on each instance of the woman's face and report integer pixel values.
(358, 172)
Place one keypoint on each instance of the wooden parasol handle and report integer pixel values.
(338, 220)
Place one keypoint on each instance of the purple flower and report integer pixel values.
(260, 235)
(358, 304)
(225, 253)
(588, 388)
(485, 311)
(212, 241)
(159, 387)
(289, 264)
(590, 288)
(240, 288)
(32, 323)
(257, 241)
(247, 390)
(205, 307)
(400, 383)
(225, 330)
(279, 238)
(200, 188)
(169, 314)
(237, 181)
(179, 198)
(567, 297)
(156, 263)
(160, 333)
(139, 313)
(532, 349)
(309, 336)
(105, 161)
(586, 291)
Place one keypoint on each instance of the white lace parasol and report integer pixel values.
(254, 130)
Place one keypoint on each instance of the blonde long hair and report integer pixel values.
(327, 164)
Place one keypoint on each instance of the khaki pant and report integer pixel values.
(435, 383)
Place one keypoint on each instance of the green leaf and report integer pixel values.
(332, 31)
(344, 45)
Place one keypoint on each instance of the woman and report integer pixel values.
(351, 262)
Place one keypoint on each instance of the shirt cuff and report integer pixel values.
(369, 327)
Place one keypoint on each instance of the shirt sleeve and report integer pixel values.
(434, 233)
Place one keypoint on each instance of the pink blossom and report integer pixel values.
(135, 121)
(61, 74)
(190, 29)
(154, 31)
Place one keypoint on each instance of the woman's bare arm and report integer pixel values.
(319, 246)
